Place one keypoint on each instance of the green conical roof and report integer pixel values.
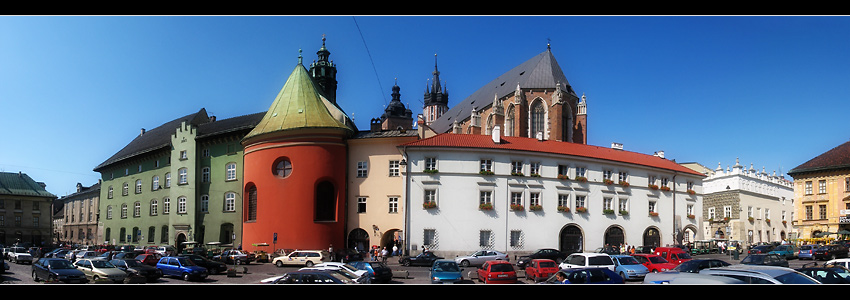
(298, 106)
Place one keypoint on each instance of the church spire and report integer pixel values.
(436, 97)
(324, 72)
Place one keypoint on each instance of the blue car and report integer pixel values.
(787, 251)
(590, 275)
(445, 271)
(807, 252)
(181, 267)
(628, 267)
(378, 271)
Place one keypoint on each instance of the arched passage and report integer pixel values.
(615, 236)
(572, 239)
(651, 237)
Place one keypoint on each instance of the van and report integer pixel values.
(673, 255)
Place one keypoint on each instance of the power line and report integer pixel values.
(378, 78)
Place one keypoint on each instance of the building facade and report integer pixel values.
(748, 205)
(822, 190)
(517, 194)
(80, 224)
(25, 211)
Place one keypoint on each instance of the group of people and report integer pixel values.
(383, 253)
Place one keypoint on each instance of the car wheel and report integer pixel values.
(95, 278)
(464, 263)
(309, 263)
(278, 264)
(186, 276)
(623, 275)
(405, 263)
(34, 276)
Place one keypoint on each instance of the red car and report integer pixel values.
(655, 263)
(540, 269)
(148, 258)
(674, 255)
(497, 271)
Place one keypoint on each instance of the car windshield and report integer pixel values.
(657, 260)
(795, 278)
(501, 268)
(446, 266)
(753, 259)
(60, 264)
(599, 261)
(185, 261)
(21, 250)
(102, 264)
(627, 260)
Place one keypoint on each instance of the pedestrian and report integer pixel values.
(395, 250)
(384, 255)
(562, 277)
(331, 252)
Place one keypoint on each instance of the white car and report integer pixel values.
(844, 262)
(20, 255)
(340, 265)
(359, 278)
(584, 260)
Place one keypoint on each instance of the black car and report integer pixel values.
(829, 274)
(57, 269)
(348, 255)
(135, 267)
(545, 253)
(214, 267)
(761, 249)
(831, 251)
(426, 258)
(765, 259)
(695, 265)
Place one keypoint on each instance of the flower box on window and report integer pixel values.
(485, 206)
(624, 212)
(767, 220)
(691, 217)
(534, 175)
(517, 207)
(430, 171)
(535, 207)
(563, 177)
(692, 192)
(624, 183)
(665, 188)
(485, 172)
(608, 181)
(581, 209)
(563, 208)
(517, 174)
(429, 204)
(751, 219)
(581, 179)
(653, 187)
(608, 211)
(653, 214)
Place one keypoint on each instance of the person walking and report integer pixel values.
(384, 255)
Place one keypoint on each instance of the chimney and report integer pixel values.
(496, 134)
(659, 154)
(539, 136)
(617, 146)
(143, 132)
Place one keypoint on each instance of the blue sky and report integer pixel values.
(770, 90)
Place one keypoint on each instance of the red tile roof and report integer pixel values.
(835, 158)
(545, 146)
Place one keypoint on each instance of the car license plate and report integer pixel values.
(73, 281)
(502, 275)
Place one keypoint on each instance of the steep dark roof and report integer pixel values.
(386, 133)
(834, 159)
(20, 184)
(154, 139)
(235, 124)
(541, 71)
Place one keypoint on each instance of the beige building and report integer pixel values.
(822, 187)
(79, 224)
(25, 214)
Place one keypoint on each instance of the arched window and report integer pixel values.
(325, 201)
(538, 119)
(252, 203)
(154, 205)
(509, 121)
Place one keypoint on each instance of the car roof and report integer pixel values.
(771, 271)
(590, 254)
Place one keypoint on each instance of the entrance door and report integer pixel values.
(571, 239)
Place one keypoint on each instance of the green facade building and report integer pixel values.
(179, 182)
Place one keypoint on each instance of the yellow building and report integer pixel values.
(822, 187)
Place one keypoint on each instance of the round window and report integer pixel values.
(282, 168)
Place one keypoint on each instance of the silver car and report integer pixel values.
(755, 274)
(479, 257)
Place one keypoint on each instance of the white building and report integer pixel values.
(468, 192)
(747, 205)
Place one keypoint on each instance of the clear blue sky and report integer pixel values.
(770, 90)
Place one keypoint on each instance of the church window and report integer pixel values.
(325, 201)
(538, 117)
(252, 203)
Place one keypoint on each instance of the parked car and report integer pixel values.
(807, 252)
(831, 251)
(541, 269)
(137, 268)
(546, 253)
(233, 256)
(426, 258)
(20, 255)
(673, 255)
(86, 254)
(760, 249)
(344, 272)
(653, 263)
(844, 262)
(479, 257)
(753, 274)
(107, 256)
(786, 251)
(765, 259)
(343, 266)
(96, 270)
(312, 277)
(166, 250)
(150, 259)
(674, 277)
(306, 258)
(644, 249)
(584, 260)
(695, 265)
(496, 271)
(181, 267)
(827, 274)
(377, 271)
(359, 276)
(214, 267)
(445, 271)
(57, 269)
(592, 275)
(628, 267)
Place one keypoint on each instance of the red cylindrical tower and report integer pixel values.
(294, 171)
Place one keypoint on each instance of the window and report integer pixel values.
(205, 203)
(325, 202)
(516, 167)
(167, 180)
(252, 203)
(581, 172)
(182, 176)
(847, 184)
(362, 169)
(538, 118)
(205, 175)
(485, 197)
(608, 204)
(533, 199)
(516, 198)
(563, 170)
(690, 185)
(166, 205)
(125, 190)
(361, 205)
(183, 155)
(138, 186)
(151, 234)
(664, 181)
(651, 180)
(205, 152)
(580, 201)
(516, 238)
(809, 212)
(711, 213)
(429, 237)
(653, 207)
(283, 167)
(563, 200)
(690, 210)
(137, 209)
(230, 201)
(727, 211)
(181, 205)
(124, 211)
(394, 168)
(623, 204)
(623, 176)
(154, 211)
(109, 212)
(822, 211)
(822, 187)
(393, 205)
(486, 165)
(808, 187)
(534, 168)
(155, 183)
(430, 163)
(230, 172)
(430, 197)
(109, 192)
(484, 238)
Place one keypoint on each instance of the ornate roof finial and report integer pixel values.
(548, 44)
(299, 56)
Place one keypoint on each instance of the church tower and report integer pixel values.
(436, 98)
(323, 72)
